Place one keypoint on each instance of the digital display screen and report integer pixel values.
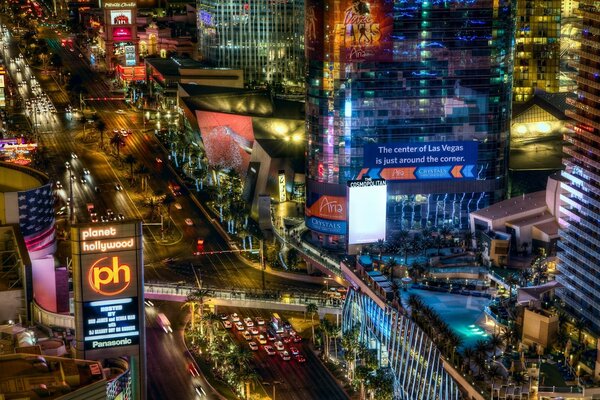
(110, 323)
(367, 211)
(120, 17)
(121, 34)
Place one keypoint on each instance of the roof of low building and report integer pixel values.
(550, 228)
(171, 66)
(521, 204)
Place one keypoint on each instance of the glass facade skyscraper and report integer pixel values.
(579, 256)
(264, 38)
(537, 50)
(409, 75)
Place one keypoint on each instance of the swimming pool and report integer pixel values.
(459, 312)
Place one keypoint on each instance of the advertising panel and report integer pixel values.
(122, 35)
(420, 161)
(111, 323)
(121, 17)
(130, 55)
(326, 226)
(367, 211)
(108, 285)
(281, 185)
(325, 209)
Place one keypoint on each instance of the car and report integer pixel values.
(67, 165)
(86, 171)
(227, 324)
(294, 350)
(158, 160)
(223, 317)
(110, 213)
(247, 335)
(189, 222)
(253, 330)
(271, 337)
(193, 371)
(248, 321)
(279, 346)
(97, 189)
(260, 320)
(200, 390)
(118, 187)
(83, 180)
(120, 112)
(239, 326)
(300, 358)
(94, 217)
(74, 156)
(58, 185)
(297, 339)
(235, 317)
(253, 346)
(287, 339)
(292, 332)
(285, 355)
(262, 339)
(120, 217)
(103, 218)
(177, 206)
(270, 351)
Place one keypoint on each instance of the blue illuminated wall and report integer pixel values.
(402, 346)
(430, 71)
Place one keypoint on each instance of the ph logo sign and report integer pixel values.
(109, 277)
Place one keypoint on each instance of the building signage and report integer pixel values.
(121, 17)
(420, 161)
(120, 5)
(130, 55)
(367, 211)
(326, 226)
(328, 207)
(282, 191)
(108, 286)
(110, 323)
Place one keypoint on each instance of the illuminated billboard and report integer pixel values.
(405, 161)
(361, 30)
(122, 35)
(108, 285)
(367, 211)
(325, 209)
(121, 17)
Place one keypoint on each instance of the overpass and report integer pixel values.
(235, 298)
(217, 297)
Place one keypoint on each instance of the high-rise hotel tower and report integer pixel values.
(417, 92)
(579, 258)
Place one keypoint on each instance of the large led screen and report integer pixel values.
(120, 17)
(227, 140)
(367, 211)
(111, 323)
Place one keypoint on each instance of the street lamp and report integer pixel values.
(273, 384)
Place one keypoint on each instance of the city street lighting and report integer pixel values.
(274, 383)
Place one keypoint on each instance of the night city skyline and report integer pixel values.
(299, 200)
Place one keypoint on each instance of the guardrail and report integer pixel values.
(48, 318)
(560, 389)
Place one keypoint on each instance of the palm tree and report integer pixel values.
(199, 296)
(391, 264)
(579, 324)
(468, 356)
(211, 319)
(144, 173)
(312, 309)
(511, 280)
(101, 126)
(362, 374)
(380, 246)
(494, 341)
(130, 160)
(117, 142)
(402, 243)
(191, 303)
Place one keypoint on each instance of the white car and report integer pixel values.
(248, 322)
(235, 317)
(253, 346)
(177, 206)
(253, 330)
(73, 156)
(239, 326)
(189, 222)
(247, 335)
(285, 356)
(270, 351)
(279, 345)
(260, 320)
(262, 339)
(227, 324)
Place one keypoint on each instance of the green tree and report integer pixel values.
(130, 160)
(117, 142)
(101, 126)
(312, 309)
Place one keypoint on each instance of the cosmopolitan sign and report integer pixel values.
(108, 285)
(367, 211)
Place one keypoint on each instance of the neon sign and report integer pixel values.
(116, 276)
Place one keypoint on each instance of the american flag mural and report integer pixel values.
(36, 217)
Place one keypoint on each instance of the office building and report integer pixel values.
(537, 49)
(579, 258)
(263, 38)
(418, 93)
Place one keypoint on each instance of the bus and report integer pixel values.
(164, 323)
(277, 323)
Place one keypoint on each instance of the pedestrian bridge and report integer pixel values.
(238, 298)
